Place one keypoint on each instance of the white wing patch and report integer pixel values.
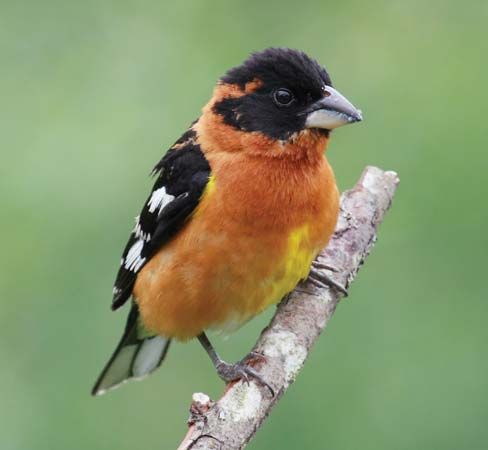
(133, 260)
(138, 231)
(159, 199)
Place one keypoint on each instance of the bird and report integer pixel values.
(242, 204)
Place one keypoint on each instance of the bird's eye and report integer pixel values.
(282, 97)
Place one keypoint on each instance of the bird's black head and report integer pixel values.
(283, 92)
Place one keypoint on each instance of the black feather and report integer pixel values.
(274, 68)
(282, 66)
(183, 172)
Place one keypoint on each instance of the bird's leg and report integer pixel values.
(232, 372)
(319, 278)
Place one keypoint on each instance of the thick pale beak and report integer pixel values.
(332, 111)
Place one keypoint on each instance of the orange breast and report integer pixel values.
(257, 228)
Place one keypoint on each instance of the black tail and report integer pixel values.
(136, 356)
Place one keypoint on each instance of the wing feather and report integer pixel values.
(182, 175)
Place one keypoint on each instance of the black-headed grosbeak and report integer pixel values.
(242, 204)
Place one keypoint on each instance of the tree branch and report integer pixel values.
(232, 421)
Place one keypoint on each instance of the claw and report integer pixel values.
(319, 265)
(320, 279)
(206, 435)
(250, 371)
(240, 371)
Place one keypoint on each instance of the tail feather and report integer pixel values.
(134, 358)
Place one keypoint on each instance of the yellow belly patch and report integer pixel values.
(296, 263)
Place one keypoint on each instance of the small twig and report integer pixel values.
(232, 421)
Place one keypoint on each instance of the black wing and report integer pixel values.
(182, 175)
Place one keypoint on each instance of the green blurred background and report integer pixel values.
(94, 92)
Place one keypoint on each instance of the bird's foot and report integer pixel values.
(242, 371)
(321, 279)
(239, 371)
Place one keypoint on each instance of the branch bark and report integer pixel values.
(232, 421)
